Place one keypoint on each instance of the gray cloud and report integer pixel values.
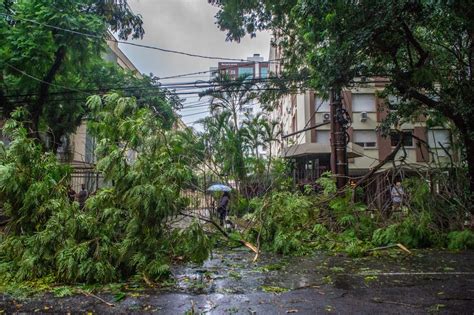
(185, 25)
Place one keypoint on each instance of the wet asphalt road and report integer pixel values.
(229, 283)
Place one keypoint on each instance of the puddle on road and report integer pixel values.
(233, 272)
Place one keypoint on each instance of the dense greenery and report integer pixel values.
(425, 48)
(233, 145)
(298, 223)
(124, 229)
(50, 70)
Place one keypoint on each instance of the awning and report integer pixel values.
(308, 149)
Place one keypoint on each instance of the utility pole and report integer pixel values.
(339, 165)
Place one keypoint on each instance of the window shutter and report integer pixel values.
(385, 146)
(422, 154)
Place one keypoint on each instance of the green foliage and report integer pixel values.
(37, 61)
(193, 243)
(327, 183)
(44, 69)
(461, 240)
(292, 223)
(123, 229)
(242, 206)
(421, 47)
(283, 219)
(413, 231)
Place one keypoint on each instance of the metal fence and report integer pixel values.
(92, 179)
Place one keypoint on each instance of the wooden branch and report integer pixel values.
(96, 297)
(389, 157)
(223, 232)
(446, 111)
(411, 38)
(391, 246)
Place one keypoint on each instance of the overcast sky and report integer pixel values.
(189, 26)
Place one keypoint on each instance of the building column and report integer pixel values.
(383, 143)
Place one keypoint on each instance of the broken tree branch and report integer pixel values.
(388, 158)
(391, 246)
(223, 232)
(97, 297)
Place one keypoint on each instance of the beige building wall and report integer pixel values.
(78, 139)
(78, 143)
(365, 109)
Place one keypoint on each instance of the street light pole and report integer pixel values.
(338, 140)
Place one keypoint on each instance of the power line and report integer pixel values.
(278, 61)
(40, 80)
(123, 42)
(193, 114)
(163, 88)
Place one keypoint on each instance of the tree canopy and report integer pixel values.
(52, 59)
(425, 49)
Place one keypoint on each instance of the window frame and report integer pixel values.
(431, 136)
(364, 144)
(404, 131)
(374, 108)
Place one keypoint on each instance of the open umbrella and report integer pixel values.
(219, 187)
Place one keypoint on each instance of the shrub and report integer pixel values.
(461, 240)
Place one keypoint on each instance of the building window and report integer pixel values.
(363, 103)
(437, 136)
(246, 71)
(323, 136)
(264, 72)
(394, 102)
(321, 105)
(407, 138)
(365, 138)
(247, 110)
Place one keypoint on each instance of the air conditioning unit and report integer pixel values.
(363, 116)
(326, 117)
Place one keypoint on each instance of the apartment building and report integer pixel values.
(255, 67)
(311, 150)
(82, 143)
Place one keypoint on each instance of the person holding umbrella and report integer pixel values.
(223, 207)
(222, 210)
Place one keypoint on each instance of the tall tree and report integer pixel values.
(271, 134)
(52, 49)
(224, 147)
(425, 48)
(253, 132)
(231, 95)
(228, 96)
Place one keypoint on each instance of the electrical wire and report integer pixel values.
(193, 114)
(157, 88)
(90, 35)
